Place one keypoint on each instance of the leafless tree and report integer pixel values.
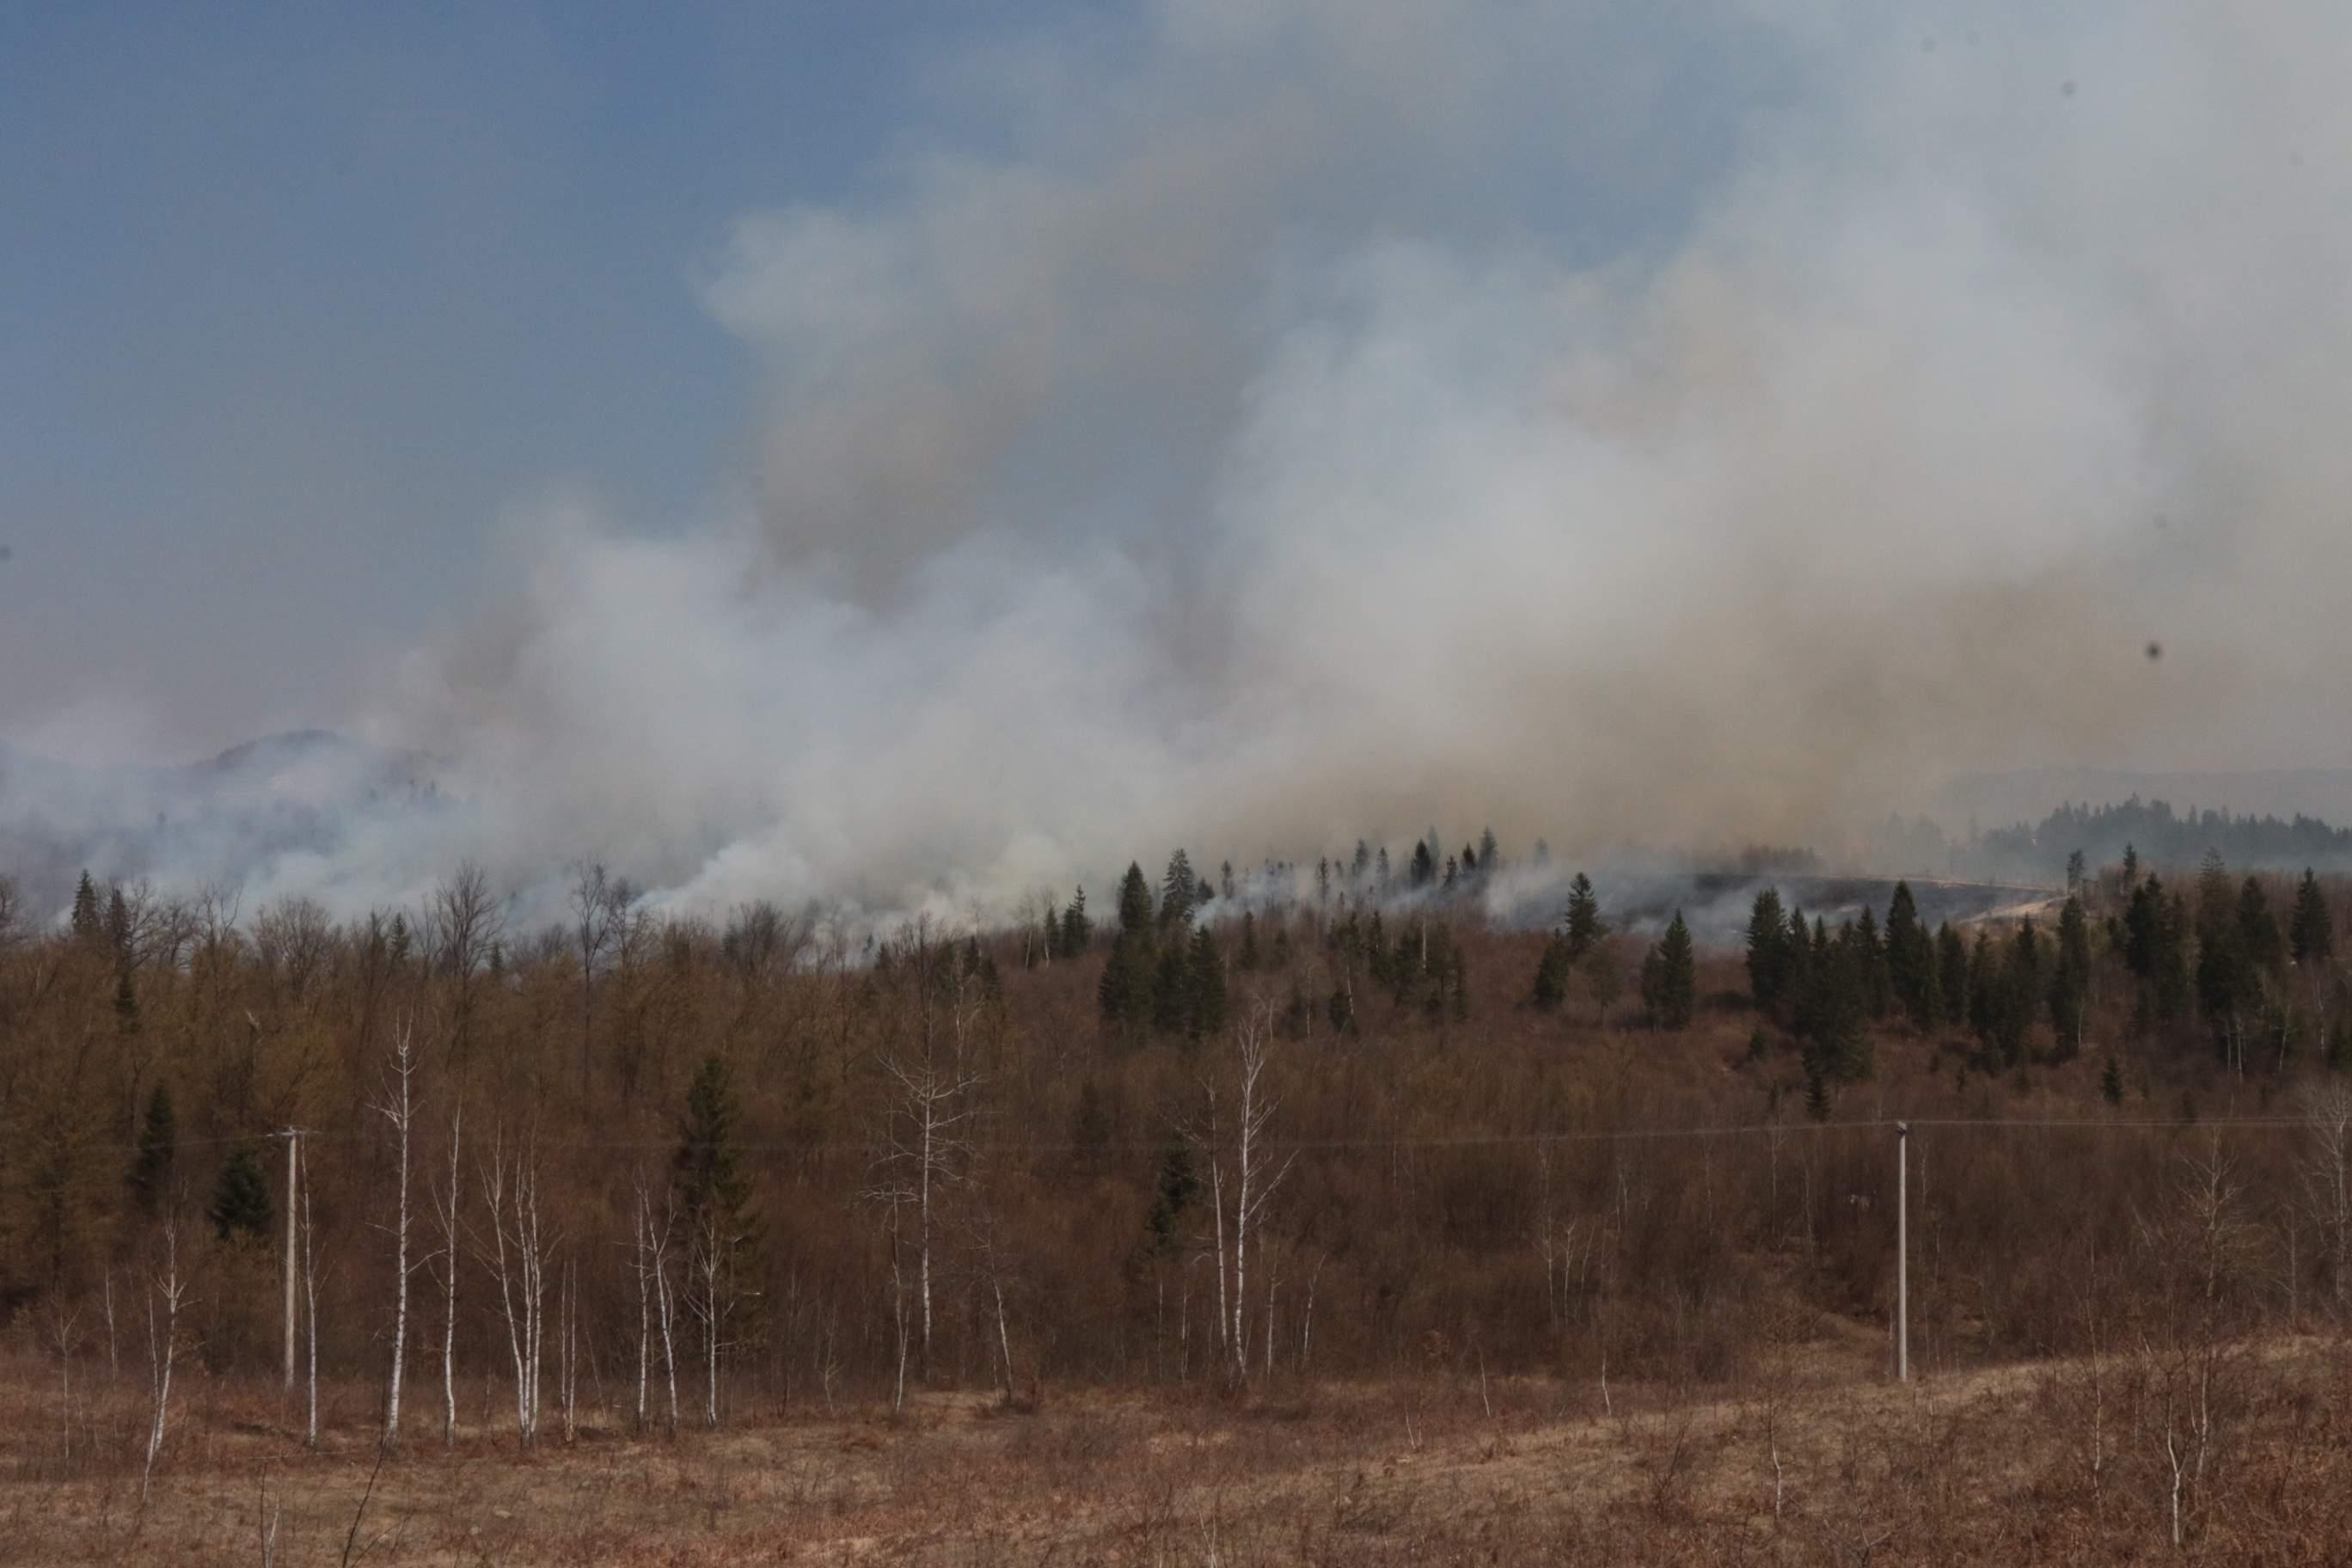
(927, 1151)
(2327, 1181)
(655, 1299)
(603, 906)
(463, 921)
(397, 1106)
(1254, 1183)
(162, 1346)
(519, 1251)
(446, 1209)
(310, 1311)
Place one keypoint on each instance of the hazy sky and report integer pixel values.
(297, 301)
(918, 452)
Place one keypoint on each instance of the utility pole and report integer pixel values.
(1902, 1252)
(293, 1136)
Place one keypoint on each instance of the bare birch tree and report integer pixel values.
(310, 1316)
(446, 1209)
(2327, 1181)
(926, 1151)
(398, 1107)
(518, 1252)
(655, 1299)
(170, 1289)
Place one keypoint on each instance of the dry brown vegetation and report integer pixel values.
(1518, 1283)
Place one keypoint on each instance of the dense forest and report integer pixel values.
(699, 1172)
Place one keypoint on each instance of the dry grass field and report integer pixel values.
(2053, 1462)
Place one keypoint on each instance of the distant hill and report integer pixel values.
(1997, 799)
(219, 819)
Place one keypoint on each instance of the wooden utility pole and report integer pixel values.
(293, 1137)
(1903, 1252)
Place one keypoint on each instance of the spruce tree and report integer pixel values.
(1173, 1196)
(1489, 853)
(1670, 988)
(1580, 923)
(1179, 890)
(157, 1153)
(2311, 932)
(118, 924)
(2070, 982)
(87, 924)
(1768, 949)
(1208, 1000)
(2111, 1083)
(1171, 990)
(1553, 971)
(1910, 958)
(1078, 931)
(1134, 901)
(240, 1202)
(1247, 958)
(1425, 864)
(2258, 932)
(706, 1170)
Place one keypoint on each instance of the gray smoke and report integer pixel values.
(1286, 421)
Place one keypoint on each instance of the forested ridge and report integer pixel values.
(765, 1161)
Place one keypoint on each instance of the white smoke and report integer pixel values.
(1241, 439)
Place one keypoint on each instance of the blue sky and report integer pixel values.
(297, 298)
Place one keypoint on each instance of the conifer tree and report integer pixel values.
(707, 1169)
(2258, 933)
(1078, 931)
(2111, 1083)
(2070, 982)
(87, 925)
(1553, 971)
(1134, 901)
(1768, 949)
(1870, 960)
(1171, 990)
(1425, 864)
(118, 924)
(1208, 999)
(1581, 923)
(156, 1152)
(1910, 958)
(2311, 932)
(1173, 1196)
(1179, 890)
(1489, 853)
(240, 1202)
(1951, 975)
(1670, 977)
(1247, 958)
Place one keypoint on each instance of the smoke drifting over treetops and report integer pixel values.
(1283, 422)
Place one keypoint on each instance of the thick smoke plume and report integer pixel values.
(1280, 422)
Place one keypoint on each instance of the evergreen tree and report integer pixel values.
(1951, 975)
(707, 1169)
(1768, 950)
(1173, 1194)
(157, 1153)
(240, 1202)
(88, 927)
(1489, 853)
(1209, 1003)
(1580, 923)
(118, 924)
(2258, 933)
(1226, 882)
(1382, 875)
(1134, 901)
(2311, 932)
(1910, 958)
(1817, 1091)
(2131, 865)
(1870, 958)
(1425, 864)
(1172, 991)
(2111, 1083)
(1670, 977)
(1179, 890)
(1123, 995)
(2070, 982)
(1078, 931)
(1553, 971)
(1247, 958)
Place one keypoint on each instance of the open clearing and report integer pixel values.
(2052, 1462)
